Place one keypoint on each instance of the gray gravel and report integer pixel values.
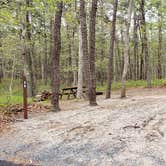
(118, 132)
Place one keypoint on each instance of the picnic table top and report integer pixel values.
(71, 88)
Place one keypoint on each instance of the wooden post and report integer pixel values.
(25, 97)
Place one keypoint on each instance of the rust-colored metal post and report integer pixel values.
(25, 97)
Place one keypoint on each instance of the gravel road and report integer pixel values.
(117, 132)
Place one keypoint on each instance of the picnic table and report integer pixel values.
(73, 91)
(69, 91)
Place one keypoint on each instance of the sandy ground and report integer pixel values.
(117, 132)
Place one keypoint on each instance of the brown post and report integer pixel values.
(25, 97)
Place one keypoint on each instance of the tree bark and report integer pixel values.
(28, 50)
(126, 50)
(135, 40)
(85, 46)
(1, 60)
(92, 41)
(56, 57)
(112, 41)
(80, 67)
(145, 44)
(159, 67)
(69, 59)
(45, 55)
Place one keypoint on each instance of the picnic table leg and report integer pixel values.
(68, 97)
(74, 92)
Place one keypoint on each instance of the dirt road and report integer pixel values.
(117, 132)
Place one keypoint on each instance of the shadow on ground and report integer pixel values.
(7, 163)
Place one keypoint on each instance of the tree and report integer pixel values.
(160, 39)
(145, 43)
(1, 61)
(29, 49)
(69, 59)
(126, 49)
(112, 41)
(92, 41)
(135, 42)
(56, 56)
(80, 67)
(85, 45)
(89, 56)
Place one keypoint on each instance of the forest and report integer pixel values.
(95, 70)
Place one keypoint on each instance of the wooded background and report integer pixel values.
(126, 32)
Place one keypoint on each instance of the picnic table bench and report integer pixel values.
(73, 91)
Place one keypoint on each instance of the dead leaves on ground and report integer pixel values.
(12, 113)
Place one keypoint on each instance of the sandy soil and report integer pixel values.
(117, 132)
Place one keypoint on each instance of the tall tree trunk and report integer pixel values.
(69, 59)
(92, 41)
(101, 72)
(1, 69)
(130, 66)
(102, 56)
(141, 71)
(12, 76)
(80, 67)
(145, 44)
(116, 66)
(75, 51)
(45, 55)
(1, 60)
(122, 50)
(28, 50)
(119, 58)
(126, 50)
(56, 57)
(85, 46)
(51, 37)
(112, 41)
(159, 67)
(135, 40)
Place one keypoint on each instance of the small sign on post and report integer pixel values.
(25, 97)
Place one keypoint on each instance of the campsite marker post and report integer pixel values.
(25, 97)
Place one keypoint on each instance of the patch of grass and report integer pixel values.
(161, 82)
(132, 84)
(12, 100)
(17, 93)
(17, 97)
